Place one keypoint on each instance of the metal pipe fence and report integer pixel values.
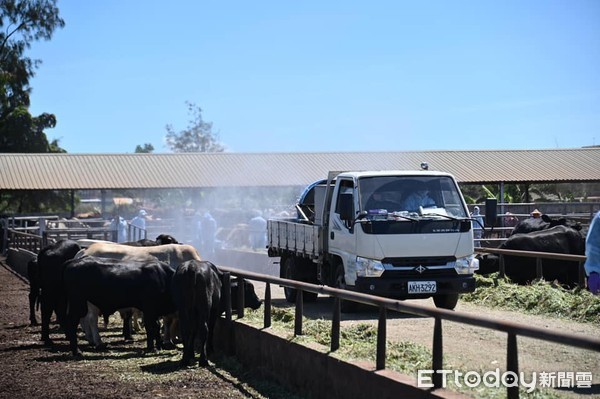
(384, 304)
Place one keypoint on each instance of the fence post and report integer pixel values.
(299, 312)
(381, 338)
(438, 353)
(240, 297)
(501, 266)
(227, 294)
(512, 365)
(581, 274)
(335, 324)
(267, 304)
(4, 225)
(538, 268)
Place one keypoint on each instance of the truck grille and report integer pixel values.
(422, 267)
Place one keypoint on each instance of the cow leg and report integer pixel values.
(135, 319)
(214, 315)
(89, 325)
(127, 316)
(188, 337)
(167, 341)
(76, 310)
(33, 297)
(152, 332)
(46, 316)
(203, 333)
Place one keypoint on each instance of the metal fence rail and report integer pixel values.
(539, 256)
(383, 304)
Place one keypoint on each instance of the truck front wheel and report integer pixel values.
(446, 301)
(340, 282)
(297, 269)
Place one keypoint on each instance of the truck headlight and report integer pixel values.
(466, 265)
(368, 267)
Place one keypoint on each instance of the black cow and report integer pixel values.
(33, 274)
(197, 290)
(51, 260)
(558, 239)
(112, 284)
(162, 239)
(542, 223)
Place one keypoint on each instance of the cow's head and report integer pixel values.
(250, 298)
(166, 239)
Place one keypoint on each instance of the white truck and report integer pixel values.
(362, 231)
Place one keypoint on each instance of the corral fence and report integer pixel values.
(539, 260)
(384, 305)
(511, 213)
(35, 232)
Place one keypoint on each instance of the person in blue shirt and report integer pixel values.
(419, 197)
(477, 225)
(592, 252)
(119, 225)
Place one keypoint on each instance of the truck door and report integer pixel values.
(342, 240)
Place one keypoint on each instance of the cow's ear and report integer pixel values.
(546, 218)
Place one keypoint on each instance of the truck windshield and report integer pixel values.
(383, 197)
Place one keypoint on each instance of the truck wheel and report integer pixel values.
(340, 282)
(307, 272)
(446, 301)
(288, 272)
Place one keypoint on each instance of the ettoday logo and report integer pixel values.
(497, 379)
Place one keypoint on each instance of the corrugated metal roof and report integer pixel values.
(188, 170)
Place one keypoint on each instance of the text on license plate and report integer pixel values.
(422, 287)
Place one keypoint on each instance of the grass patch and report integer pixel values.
(359, 342)
(540, 298)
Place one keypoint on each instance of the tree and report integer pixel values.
(21, 23)
(198, 137)
(147, 148)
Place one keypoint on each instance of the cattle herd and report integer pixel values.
(169, 282)
(164, 280)
(543, 234)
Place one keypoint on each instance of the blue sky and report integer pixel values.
(314, 76)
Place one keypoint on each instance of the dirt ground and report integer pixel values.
(30, 370)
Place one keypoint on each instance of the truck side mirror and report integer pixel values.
(345, 206)
(491, 211)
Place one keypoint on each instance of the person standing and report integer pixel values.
(207, 232)
(140, 223)
(258, 231)
(119, 225)
(592, 252)
(477, 226)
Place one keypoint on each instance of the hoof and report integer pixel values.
(101, 347)
(203, 363)
(168, 345)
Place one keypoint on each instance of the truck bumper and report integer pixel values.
(398, 288)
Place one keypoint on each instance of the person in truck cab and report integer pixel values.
(419, 197)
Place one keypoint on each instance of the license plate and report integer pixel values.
(422, 287)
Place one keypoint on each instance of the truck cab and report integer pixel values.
(396, 234)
